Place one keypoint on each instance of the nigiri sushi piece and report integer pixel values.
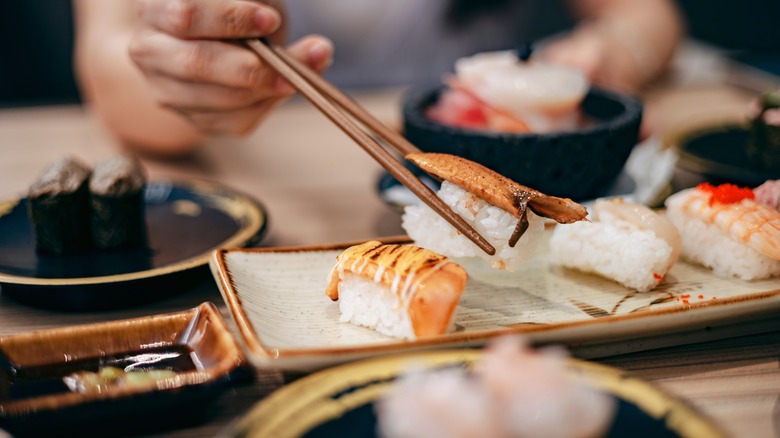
(402, 291)
(724, 228)
(624, 241)
(509, 215)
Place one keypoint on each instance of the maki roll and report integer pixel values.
(117, 204)
(58, 205)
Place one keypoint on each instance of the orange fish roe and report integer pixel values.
(657, 276)
(726, 193)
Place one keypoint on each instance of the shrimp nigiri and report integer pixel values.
(726, 229)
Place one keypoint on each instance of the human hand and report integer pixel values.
(185, 52)
(606, 62)
(603, 60)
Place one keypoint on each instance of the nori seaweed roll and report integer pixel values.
(117, 216)
(58, 205)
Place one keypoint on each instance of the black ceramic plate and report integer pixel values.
(339, 401)
(185, 222)
(719, 155)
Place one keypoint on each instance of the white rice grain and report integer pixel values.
(431, 231)
(635, 258)
(706, 244)
(370, 304)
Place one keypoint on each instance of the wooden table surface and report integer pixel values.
(319, 187)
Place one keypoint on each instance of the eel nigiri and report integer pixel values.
(508, 214)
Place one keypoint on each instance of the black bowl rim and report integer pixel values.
(709, 167)
(416, 96)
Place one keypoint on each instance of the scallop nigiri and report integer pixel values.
(624, 241)
(724, 228)
(402, 291)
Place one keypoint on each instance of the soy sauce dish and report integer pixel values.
(117, 378)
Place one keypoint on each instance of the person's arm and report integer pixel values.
(115, 87)
(163, 75)
(622, 44)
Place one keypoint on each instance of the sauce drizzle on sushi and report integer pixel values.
(400, 290)
(386, 263)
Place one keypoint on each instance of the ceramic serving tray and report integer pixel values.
(341, 401)
(277, 299)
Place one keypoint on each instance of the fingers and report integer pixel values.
(216, 75)
(192, 19)
(603, 60)
(235, 122)
(314, 51)
(207, 61)
(220, 87)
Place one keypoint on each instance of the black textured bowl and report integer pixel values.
(577, 164)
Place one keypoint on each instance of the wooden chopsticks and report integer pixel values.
(328, 99)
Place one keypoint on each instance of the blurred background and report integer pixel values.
(35, 61)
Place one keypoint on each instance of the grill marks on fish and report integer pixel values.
(400, 267)
(499, 190)
(401, 259)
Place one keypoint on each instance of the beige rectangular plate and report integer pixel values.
(277, 299)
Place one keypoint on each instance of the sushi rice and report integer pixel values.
(431, 231)
(633, 257)
(374, 305)
(707, 244)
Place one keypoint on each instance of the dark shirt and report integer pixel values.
(35, 54)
